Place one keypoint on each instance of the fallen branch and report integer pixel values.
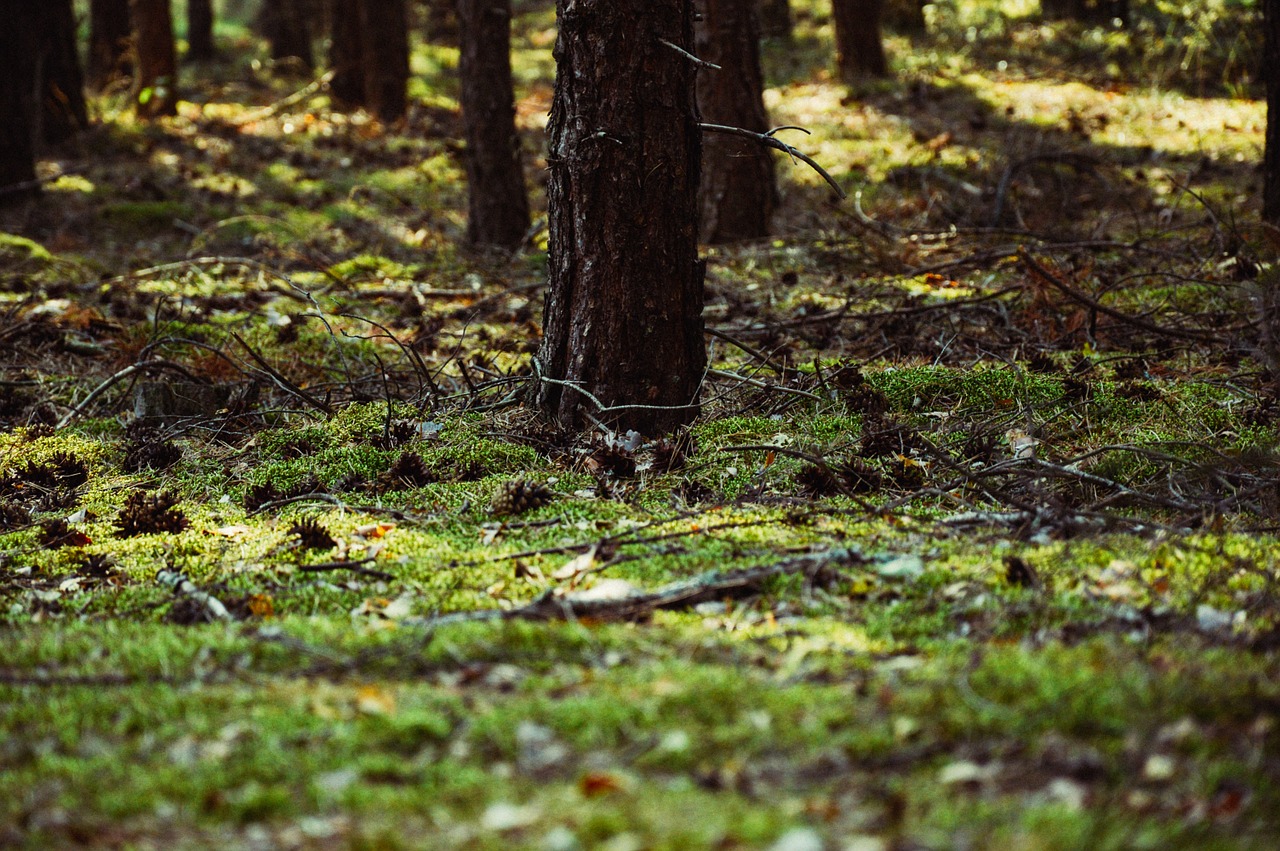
(714, 585)
(181, 586)
(769, 141)
(353, 566)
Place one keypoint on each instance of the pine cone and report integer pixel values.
(150, 514)
(518, 496)
(312, 535)
(409, 471)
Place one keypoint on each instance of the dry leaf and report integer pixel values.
(576, 566)
(374, 700)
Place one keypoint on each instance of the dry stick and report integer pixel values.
(316, 85)
(1075, 295)
(127, 372)
(758, 355)
(764, 385)
(768, 140)
(708, 586)
(284, 383)
(816, 461)
(353, 566)
(395, 513)
(180, 585)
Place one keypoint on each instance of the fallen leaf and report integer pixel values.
(576, 566)
(374, 700)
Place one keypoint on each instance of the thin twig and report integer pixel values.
(770, 142)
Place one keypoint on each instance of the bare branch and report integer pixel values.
(769, 141)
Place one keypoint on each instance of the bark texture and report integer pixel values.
(385, 34)
(498, 208)
(110, 34)
(155, 86)
(775, 18)
(1271, 73)
(738, 190)
(200, 30)
(441, 25)
(346, 53)
(859, 50)
(623, 317)
(63, 110)
(19, 44)
(286, 26)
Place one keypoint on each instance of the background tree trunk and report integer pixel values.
(200, 30)
(63, 110)
(1086, 11)
(738, 192)
(623, 317)
(1271, 73)
(775, 19)
(441, 24)
(346, 53)
(109, 36)
(859, 50)
(384, 27)
(155, 85)
(904, 15)
(19, 45)
(498, 209)
(285, 26)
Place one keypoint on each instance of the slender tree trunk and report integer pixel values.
(346, 53)
(155, 87)
(285, 26)
(19, 44)
(1271, 71)
(200, 30)
(109, 36)
(738, 191)
(384, 27)
(775, 19)
(498, 207)
(623, 319)
(859, 50)
(63, 110)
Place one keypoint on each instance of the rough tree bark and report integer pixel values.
(384, 28)
(1271, 73)
(285, 26)
(346, 53)
(109, 36)
(859, 50)
(623, 318)
(498, 209)
(200, 30)
(19, 45)
(738, 192)
(775, 18)
(155, 85)
(63, 110)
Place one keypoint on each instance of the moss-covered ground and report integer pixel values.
(279, 541)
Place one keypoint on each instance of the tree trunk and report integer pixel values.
(19, 45)
(1271, 71)
(63, 110)
(155, 87)
(738, 192)
(441, 25)
(859, 51)
(384, 27)
(498, 209)
(775, 19)
(904, 15)
(109, 37)
(284, 24)
(623, 319)
(346, 53)
(1086, 11)
(200, 30)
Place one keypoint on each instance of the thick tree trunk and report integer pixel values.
(109, 37)
(384, 27)
(346, 53)
(859, 51)
(1086, 11)
(63, 110)
(738, 192)
(200, 30)
(623, 319)
(285, 26)
(775, 19)
(1271, 72)
(155, 86)
(19, 44)
(498, 208)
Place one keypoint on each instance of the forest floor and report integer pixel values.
(973, 546)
